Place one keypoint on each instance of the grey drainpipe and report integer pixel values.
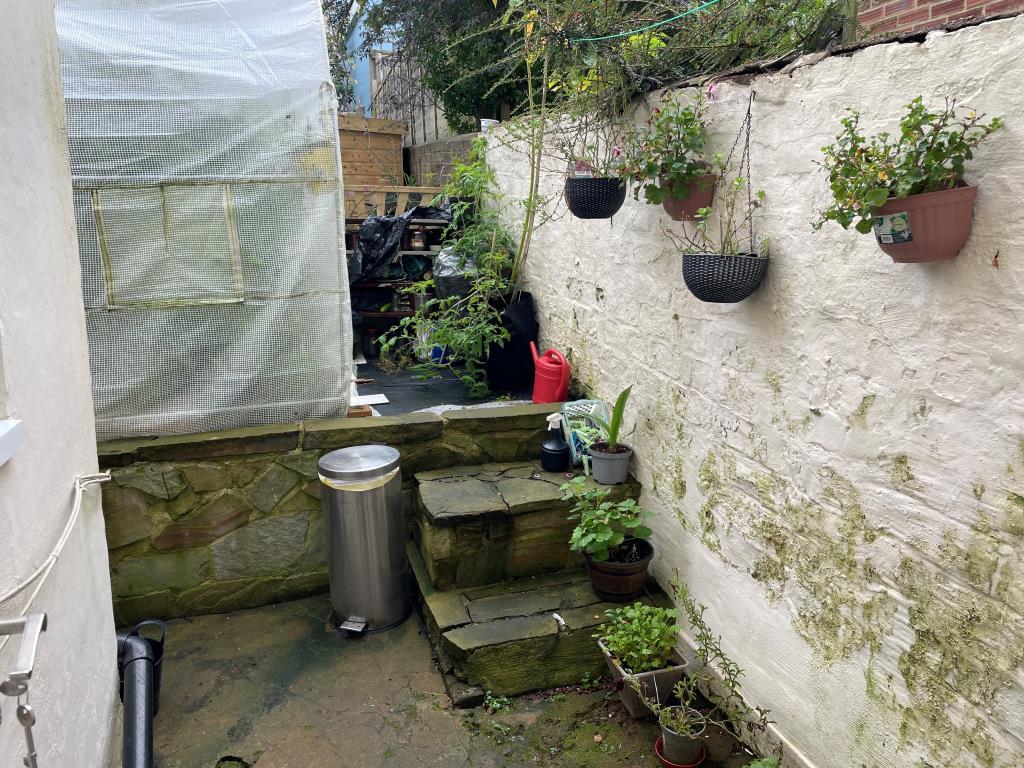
(135, 660)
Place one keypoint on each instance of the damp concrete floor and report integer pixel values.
(273, 688)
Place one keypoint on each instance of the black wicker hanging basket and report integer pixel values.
(594, 198)
(720, 279)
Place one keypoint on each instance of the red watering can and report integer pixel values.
(550, 376)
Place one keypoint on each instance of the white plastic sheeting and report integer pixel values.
(207, 189)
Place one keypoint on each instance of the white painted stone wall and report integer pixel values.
(837, 464)
(44, 366)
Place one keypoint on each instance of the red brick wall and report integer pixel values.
(886, 16)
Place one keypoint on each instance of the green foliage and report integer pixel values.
(338, 23)
(928, 154)
(612, 428)
(494, 704)
(603, 525)
(714, 676)
(455, 45)
(641, 636)
(668, 153)
(724, 226)
(465, 326)
(764, 762)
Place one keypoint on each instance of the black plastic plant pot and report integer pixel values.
(721, 279)
(594, 198)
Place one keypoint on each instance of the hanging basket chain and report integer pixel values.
(744, 164)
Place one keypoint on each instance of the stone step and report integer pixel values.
(503, 638)
(484, 524)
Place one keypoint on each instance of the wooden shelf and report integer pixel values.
(396, 283)
(386, 315)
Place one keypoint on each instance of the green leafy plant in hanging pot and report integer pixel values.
(665, 158)
(722, 261)
(908, 187)
(612, 536)
(639, 645)
(587, 135)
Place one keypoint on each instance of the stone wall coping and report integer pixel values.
(322, 434)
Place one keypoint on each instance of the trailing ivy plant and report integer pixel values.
(641, 636)
(604, 526)
(667, 154)
(928, 153)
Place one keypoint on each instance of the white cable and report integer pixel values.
(43, 571)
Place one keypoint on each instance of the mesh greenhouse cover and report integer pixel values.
(207, 190)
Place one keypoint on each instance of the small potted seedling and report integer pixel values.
(611, 535)
(715, 680)
(609, 459)
(639, 644)
(909, 188)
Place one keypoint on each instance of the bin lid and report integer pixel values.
(360, 462)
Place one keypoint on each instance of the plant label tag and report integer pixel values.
(892, 229)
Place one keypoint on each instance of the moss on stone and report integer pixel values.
(1014, 514)
(859, 418)
(900, 474)
(965, 652)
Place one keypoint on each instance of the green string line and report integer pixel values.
(700, 7)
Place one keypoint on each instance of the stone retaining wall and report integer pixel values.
(215, 522)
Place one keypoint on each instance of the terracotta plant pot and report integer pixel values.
(681, 749)
(683, 204)
(620, 582)
(596, 197)
(933, 226)
(659, 750)
(655, 685)
(609, 468)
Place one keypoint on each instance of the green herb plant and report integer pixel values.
(604, 526)
(764, 762)
(715, 677)
(640, 636)
(722, 228)
(668, 153)
(929, 153)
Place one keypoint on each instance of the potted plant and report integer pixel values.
(666, 159)
(609, 459)
(908, 188)
(481, 327)
(612, 537)
(722, 263)
(715, 679)
(639, 644)
(587, 136)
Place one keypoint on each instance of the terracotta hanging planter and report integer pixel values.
(594, 197)
(683, 204)
(933, 226)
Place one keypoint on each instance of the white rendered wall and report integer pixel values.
(45, 382)
(837, 464)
